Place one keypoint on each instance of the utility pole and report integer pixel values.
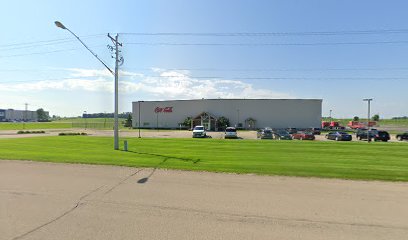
(139, 124)
(25, 112)
(25, 115)
(118, 59)
(368, 100)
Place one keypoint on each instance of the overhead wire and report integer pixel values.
(211, 77)
(48, 79)
(44, 52)
(263, 44)
(271, 69)
(266, 34)
(52, 41)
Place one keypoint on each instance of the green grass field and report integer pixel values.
(91, 123)
(348, 160)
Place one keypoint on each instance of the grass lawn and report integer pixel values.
(349, 160)
(93, 123)
(34, 125)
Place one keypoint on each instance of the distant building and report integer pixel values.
(9, 115)
(242, 113)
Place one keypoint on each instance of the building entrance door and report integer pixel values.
(206, 123)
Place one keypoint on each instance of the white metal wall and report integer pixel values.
(276, 113)
(19, 115)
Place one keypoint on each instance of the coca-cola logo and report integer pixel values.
(163, 109)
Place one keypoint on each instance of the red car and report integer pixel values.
(303, 136)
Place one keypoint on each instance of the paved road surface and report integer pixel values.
(62, 201)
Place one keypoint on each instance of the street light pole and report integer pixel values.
(139, 118)
(84, 116)
(117, 60)
(368, 118)
(60, 25)
(330, 114)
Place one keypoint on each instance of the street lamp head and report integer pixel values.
(60, 25)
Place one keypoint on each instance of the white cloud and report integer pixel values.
(166, 85)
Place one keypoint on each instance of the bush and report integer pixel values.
(30, 132)
(72, 134)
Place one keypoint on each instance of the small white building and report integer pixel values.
(18, 115)
(245, 113)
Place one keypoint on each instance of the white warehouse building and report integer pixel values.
(18, 115)
(243, 113)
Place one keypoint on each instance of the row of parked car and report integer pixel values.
(200, 132)
(284, 134)
(307, 134)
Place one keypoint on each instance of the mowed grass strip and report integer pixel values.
(88, 123)
(347, 160)
(34, 125)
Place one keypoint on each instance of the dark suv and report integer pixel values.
(265, 133)
(402, 136)
(316, 131)
(373, 134)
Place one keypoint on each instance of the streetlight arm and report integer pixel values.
(60, 25)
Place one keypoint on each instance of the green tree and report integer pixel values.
(128, 122)
(223, 122)
(187, 122)
(42, 115)
(376, 118)
(356, 119)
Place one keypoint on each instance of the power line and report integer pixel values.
(49, 41)
(264, 44)
(272, 69)
(216, 78)
(268, 34)
(279, 78)
(45, 52)
(230, 69)
(49, 80)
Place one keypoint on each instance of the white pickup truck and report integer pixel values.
(199, 132)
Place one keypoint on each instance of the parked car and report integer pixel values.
(265, 133)
(316, 131)
(292, 130)
(382, 136)
(231, 132)
(303, 136)
(199, 132)
(373, 134)
(282, 135)
(339, 136)
(361, 133)
(402, 136)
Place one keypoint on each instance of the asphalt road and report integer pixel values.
(62, 201)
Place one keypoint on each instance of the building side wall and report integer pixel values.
(20, 115)
(276, 113)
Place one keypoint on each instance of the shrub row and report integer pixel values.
(72, 134)
(30, 132)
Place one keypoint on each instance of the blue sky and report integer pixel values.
(63, 78)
